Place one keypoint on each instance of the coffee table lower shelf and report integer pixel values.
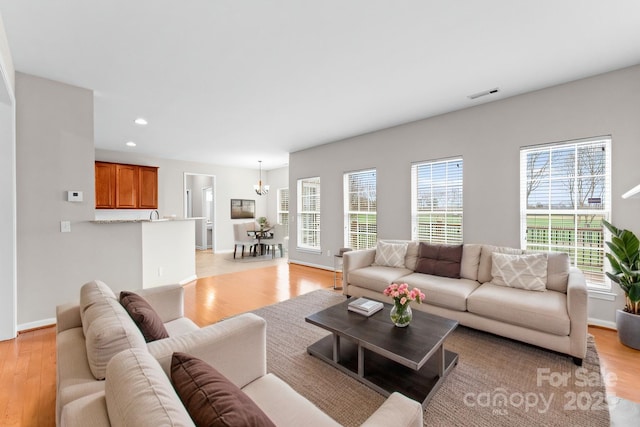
(384, 375)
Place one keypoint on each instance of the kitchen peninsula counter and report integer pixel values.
(166, 247)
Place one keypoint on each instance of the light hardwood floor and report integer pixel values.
(27, 363)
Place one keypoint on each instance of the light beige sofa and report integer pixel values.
(98, 337)
(555, 319)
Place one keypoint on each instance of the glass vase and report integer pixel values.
(401, 315)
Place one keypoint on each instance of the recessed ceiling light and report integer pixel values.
(140, 121)
(130, 144)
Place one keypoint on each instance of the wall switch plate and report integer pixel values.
(65, 226)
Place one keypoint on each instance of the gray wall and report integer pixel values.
(8, 290)
(489, 138)
(54, 154)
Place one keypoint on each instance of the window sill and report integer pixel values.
(309, 250)
(601, 294)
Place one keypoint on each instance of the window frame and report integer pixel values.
(280, 211)
(451, 185)
(349, 214)
(302, 215)
(575, 212)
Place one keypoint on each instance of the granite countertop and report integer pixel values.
(127, 221)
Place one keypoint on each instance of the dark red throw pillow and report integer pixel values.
(210, 398)
(144, 316)
(439, 260)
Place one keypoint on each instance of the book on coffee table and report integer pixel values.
(364, 306)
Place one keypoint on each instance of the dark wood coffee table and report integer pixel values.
(409, 360)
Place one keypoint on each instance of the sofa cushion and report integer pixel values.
(442, 291)
(390, 254)
(439, 260)
(376, 278)
(210, 398)
(484, 267)
(542, 311)
(272, 394)
(108, 335)
(139, 393)
(93, 295)
(520, 271)
(144, 316)
(74, 375)
(470, 261)
(558, 266)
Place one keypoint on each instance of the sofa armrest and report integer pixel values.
(237, 347)
(399, 408)
(353, 260)
(167, 301)
(577, 298)
(68, 317)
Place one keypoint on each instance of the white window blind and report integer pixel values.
(283, 207)
(565, 193)
(436, 201)
(360, 222)
(309, 213)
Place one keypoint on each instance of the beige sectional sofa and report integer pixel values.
(554, 318)
(98, 344)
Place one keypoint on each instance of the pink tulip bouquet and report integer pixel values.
(401, 311)
(402, 295)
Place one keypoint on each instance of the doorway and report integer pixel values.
(199, 203)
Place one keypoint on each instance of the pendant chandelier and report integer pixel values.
(259, 188)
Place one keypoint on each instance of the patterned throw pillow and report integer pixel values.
(390, 254)
(520, 271)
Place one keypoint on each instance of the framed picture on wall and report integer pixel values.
(242, 209)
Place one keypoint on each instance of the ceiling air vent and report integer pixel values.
(484, 93)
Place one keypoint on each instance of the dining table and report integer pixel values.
(259, 235)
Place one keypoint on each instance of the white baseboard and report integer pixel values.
(603, 323)
(37, 324)
(308, 264)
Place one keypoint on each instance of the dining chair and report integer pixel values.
(279, 232)
(241, 237)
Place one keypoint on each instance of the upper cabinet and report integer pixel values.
(121, 186)
(148, 187)
(105, 185)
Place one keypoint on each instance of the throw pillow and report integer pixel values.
(144, 316)
(439, 260)
(390, 254)
(210, 398)
(520, 271)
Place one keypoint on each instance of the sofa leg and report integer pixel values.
(235, 247)
(577, 361)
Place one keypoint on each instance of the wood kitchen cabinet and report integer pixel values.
(122, 186)
(148, 187)
(105, 185)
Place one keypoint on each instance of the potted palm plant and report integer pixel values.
(625, 265)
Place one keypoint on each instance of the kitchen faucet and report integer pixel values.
(151, 215)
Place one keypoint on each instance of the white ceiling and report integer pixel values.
(232, 82)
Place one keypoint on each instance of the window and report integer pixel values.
(360, 226)
(436, 201)
(309, 214)
(564, 196)
(283, 207)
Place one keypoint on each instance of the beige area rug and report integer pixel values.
(497, 382)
